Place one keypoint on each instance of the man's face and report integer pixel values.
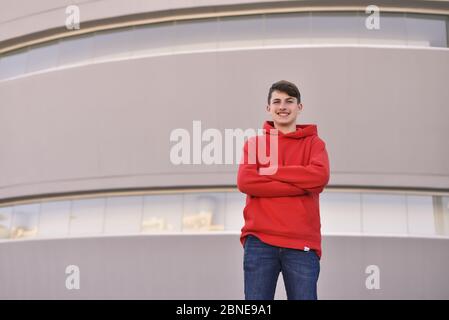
(283, 108)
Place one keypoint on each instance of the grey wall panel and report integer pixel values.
(18, 18)
(382, 112)
(21, 17)
(211, 267)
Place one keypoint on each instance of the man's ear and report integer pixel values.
(300, 106)
(268, 108)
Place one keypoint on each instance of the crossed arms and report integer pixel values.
(288, 180)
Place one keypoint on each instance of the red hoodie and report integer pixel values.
(282, 209)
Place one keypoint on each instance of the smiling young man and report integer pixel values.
(282, 231)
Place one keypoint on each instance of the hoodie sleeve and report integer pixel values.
(252, 183)
(312, 177)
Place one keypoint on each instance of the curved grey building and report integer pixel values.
(88, 115)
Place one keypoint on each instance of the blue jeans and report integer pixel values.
(262, 264)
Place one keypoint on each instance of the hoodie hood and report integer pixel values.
(302, 130)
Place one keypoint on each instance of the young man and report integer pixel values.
(282, 218)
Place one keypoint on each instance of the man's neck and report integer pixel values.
(286, 129)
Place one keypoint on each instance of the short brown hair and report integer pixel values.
(287, 87)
